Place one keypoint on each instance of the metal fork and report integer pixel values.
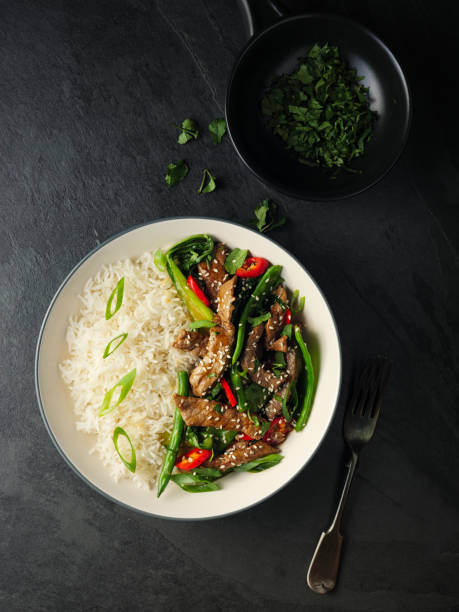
(359, 425)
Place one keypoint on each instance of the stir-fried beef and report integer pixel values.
(214, 274)
(275, 324)
(274, 407)
(250, 361)
(187, 340)
(241, 452)
(197, 412)
(218, 355)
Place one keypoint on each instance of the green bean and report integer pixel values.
(237, 386)
(175, 439)
(307, 397)
(264, 287)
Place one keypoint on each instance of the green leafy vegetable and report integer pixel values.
(235, 260)
(160, 260)
(260, 319)
(190, 130)
(125, 383)
(279, 363)
(194, 484)
(209, 438)
(258, 465)
(217, 129)
(199, 324)
(131, 465)
(184, 255)
(267, 216)
(256, 397)
(176, 173)
(208, 182)
(118, 291)
(321, 111)
(287, 331)
(109, 350)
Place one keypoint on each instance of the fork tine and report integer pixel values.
(381, 382)
(359, 388)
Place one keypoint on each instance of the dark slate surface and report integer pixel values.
(88, 91)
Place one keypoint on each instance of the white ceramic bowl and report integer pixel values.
(238, 491)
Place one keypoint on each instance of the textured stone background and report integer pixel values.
(88, 92)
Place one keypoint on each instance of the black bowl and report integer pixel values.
(277, 50)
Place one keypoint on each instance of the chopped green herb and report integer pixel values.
(190, 130)
(287, 331)
(131, 465)
(176, 173)
(118, 291)
(321, 111)
(267, 217)
(260, 319)
(235, 260)
(109, 350)
(217, 129)
(125, 383)
(208, 182)
(218, 408)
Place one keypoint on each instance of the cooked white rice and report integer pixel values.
(151, 314)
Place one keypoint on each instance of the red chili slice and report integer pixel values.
(253, 267)
(193, 458)
(288, 316)
(246, 437)
(196, 289)
(228, 392)
(278, 425)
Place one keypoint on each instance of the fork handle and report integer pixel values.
(323, 569)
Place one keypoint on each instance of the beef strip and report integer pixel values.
(187, 340)
(275, 324)
(250, 361)
(274, 407)
(218, 355)
(241, 452)
(214, 274)
(197, 412)
(278, 432)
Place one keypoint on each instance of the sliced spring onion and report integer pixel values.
(109, 350)
(297, 302)
(258, 465)
(160, 260)
(118, 291)
(200, 324)
(260, 319)
(194, 484)
(131, 465)
(125, 383)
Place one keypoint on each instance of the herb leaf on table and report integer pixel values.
(190, 130)
(267, 216)
(208, 183)
(176, 173)
(217, 129)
